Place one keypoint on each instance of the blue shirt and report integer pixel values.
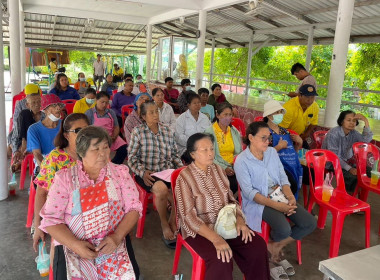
(252, 175)
(69, 93)
(41, 138)
(209, 111)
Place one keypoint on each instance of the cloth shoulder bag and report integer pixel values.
(225, 224)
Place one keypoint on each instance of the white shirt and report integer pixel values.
(186, 126)
(99, 68)
(167, 116)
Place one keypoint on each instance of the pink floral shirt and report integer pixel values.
(59, 204)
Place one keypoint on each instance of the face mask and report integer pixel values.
(188, 88)
(225, 121)
(139, 81)
(82, 79)
(53, 118)
(90, 101)
(277, 119)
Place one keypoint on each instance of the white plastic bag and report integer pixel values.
(278, 196)
(225, 224)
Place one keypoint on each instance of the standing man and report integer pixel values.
(98, 71)
(301, 74)
(302, 113)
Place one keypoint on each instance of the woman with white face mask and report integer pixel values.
(81, 85)
(41, 134)
(228, 141)
(286, 144)
(87, 102)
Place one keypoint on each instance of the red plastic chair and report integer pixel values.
(145, 198)
(32, 196)
(126, 109)
(319, 136)
(114, 91)
(265, 230)
(28, 160)
(69, 103)
(16, 98)
(198, 269)
(258, 119)
(340, 205)
(239, 125)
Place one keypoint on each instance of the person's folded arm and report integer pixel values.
(134, 155)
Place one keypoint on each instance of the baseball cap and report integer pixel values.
(31, 88)
(272, 106)
(307, 90)
(50, 99)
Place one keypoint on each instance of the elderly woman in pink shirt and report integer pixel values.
(90, 209)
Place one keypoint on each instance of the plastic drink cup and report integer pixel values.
(375, 177)
(43, 263)
(326, 193)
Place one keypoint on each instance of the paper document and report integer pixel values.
(165, 175)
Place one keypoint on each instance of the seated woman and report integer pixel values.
(206, 109)
(124, 97)
(286, 144)
(101, 116)
(90, 228)
(87, 102)
(340, 140)
(152, 148)
(217, 96)
(228, 142)
(182, 98)
(134, 118)
(202, 190)
(63, 90)
(165, 110)
(81, 85)
(190, 122)
(171, 94)
(260, 172)
(109, 86)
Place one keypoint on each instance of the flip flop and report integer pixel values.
(288, 268)
(278, 273)
(169, 243)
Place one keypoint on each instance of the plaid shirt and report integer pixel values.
(154, 152)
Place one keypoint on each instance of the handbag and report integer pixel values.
(225, 224)
(278, 195)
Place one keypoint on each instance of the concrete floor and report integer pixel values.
(155, 260)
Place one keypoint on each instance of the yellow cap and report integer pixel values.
(31, 88)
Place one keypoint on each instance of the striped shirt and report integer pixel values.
(200, 196)
(153, 152)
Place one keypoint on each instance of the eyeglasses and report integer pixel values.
(74, 130)
(264, 138)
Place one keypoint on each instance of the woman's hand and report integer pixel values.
(148, 180)
(223, 250)
(285, 208)
(38, 234)
(296, 139)
(85, 249)
(108, 244)
(229, 171)
(282, 144)
(242, 229)
(353, 171)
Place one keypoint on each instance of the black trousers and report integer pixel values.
(59, 262)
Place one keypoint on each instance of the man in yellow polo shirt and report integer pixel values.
(302, 113)
(117, 73)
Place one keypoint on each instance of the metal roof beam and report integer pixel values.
(52, 33)
(110, 34)
(142, 29)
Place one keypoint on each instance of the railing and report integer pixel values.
(354, 93)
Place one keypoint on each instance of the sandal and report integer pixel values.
(288, 268)
(169, 243)
(278, 273)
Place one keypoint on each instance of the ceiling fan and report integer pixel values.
(254, 7)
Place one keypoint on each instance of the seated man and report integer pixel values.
(41, 134)
(301, 74)
(26, 118)
(182, 99)
(117, 73)
(124, 97)
(171, 94)
(302, 113)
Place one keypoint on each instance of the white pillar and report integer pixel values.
(141, 65)
(3, 134)
(212, 61)
(309, 48)
(14, 42)
(22, 50)
(249, 65)
(148, 51)
(201, 48)
(339, 59)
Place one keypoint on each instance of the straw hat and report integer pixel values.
(272, 106)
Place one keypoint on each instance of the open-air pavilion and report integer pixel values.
(138, 27)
